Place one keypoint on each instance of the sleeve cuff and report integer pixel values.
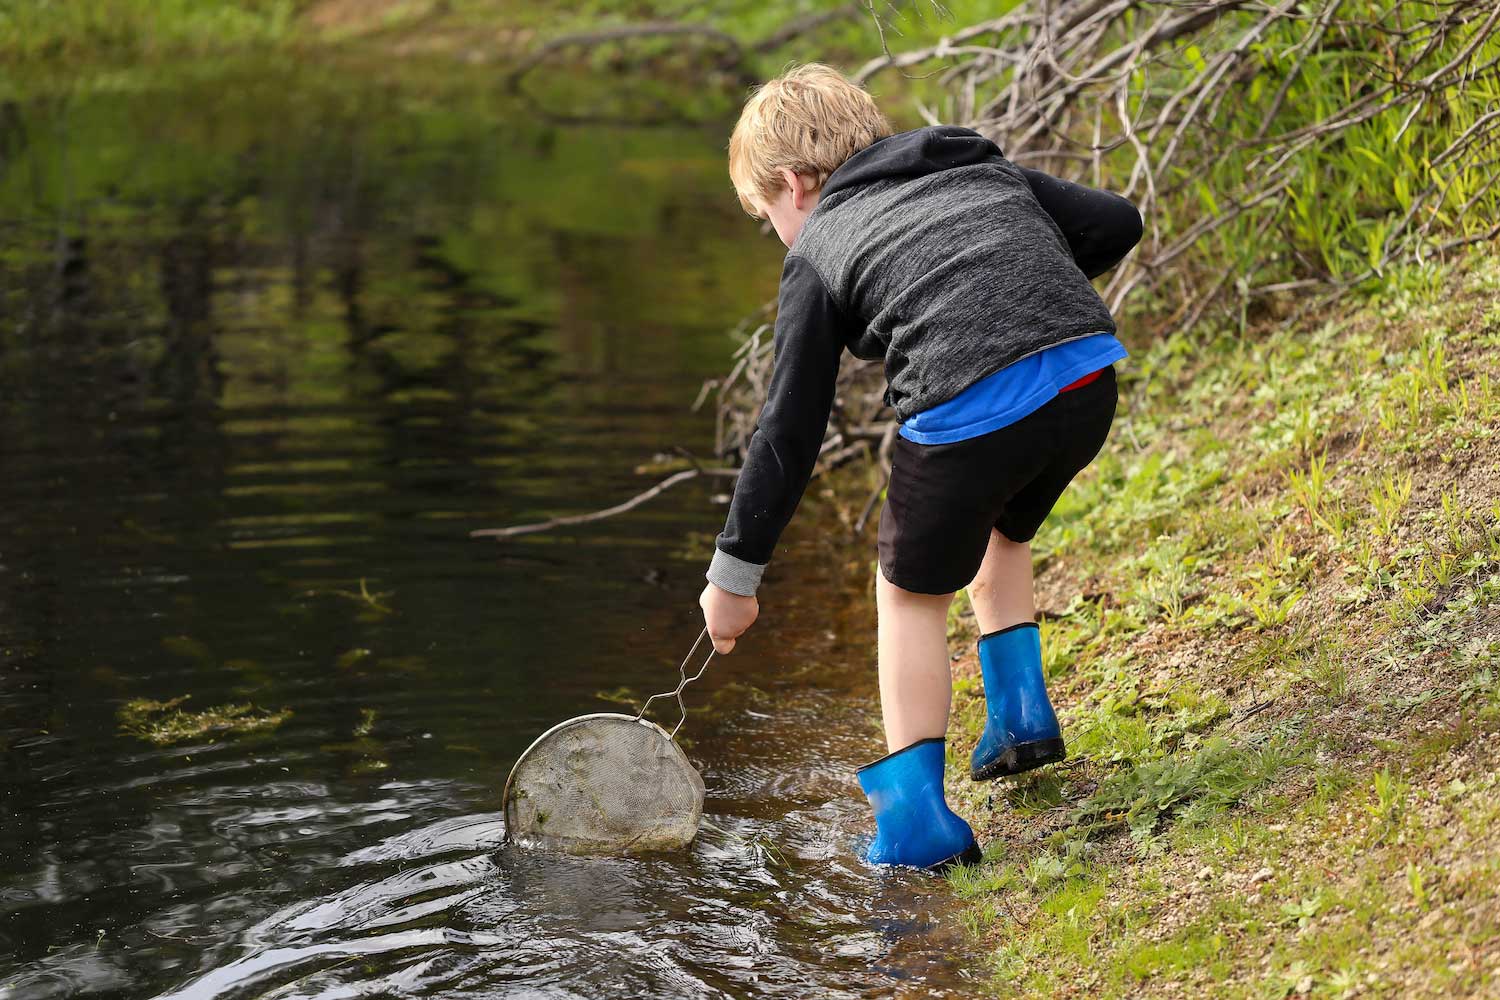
(733, 574)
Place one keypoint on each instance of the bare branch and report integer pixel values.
(599, 515)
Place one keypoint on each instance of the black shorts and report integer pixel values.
(943, 499)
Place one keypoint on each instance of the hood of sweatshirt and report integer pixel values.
(911, 154)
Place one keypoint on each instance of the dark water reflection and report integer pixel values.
(271, 348)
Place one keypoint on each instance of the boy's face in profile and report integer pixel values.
(789, 208)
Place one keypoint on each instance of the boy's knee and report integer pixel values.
(890, 593)
(1003, 540)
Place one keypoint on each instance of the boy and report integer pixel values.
(969, 277)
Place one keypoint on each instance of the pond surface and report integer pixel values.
(273, 344)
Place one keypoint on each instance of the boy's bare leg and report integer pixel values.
(915, 682)
(1002, 589)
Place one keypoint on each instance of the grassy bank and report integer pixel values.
(1270, 624)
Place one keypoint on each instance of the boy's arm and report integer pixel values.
(1100, 227)
(809, 338)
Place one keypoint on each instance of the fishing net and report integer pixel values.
(607, 783)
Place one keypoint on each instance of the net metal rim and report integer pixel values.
(542, 740)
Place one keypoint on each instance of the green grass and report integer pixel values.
(63, 30)
(90, 33)
(1277, 681)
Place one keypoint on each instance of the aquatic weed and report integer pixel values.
(163, 723)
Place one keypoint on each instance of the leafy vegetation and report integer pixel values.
(1269, 796)
(91, 29)
(88, 33)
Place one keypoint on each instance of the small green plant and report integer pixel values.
(1441, 571)
(1217, 775)
(1344, 982)
(1273, 650)
(1417, 884)
(1038, 794)
(1466, 401)
(1365, 557)
(1044, 871)
(1328, 669)
(1388, 500)
(1454, 519)
(1330, 782)
(1302, 911)
(1236, 837)
(1311, 487)
(1271, 601)
(1411, 396)
(1317, 499)
(1411, 596)
(1390, 798)
(1432, 364)
(1388, 417)
(1168, 570)
(1280, 552)
(979, 916)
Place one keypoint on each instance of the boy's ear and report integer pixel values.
(797, 184)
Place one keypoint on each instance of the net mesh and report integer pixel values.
(604, 784)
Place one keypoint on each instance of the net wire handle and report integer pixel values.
(683, 681)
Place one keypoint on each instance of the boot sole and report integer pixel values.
(1021, 758)
(970, 855)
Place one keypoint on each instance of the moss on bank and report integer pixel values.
(1270, 624)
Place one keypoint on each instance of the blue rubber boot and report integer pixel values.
(913, 823)
(1021, 732)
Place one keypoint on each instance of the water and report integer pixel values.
(274, 342)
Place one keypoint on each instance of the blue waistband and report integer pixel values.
(1013, 391)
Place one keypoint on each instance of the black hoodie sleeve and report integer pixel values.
(1100, 227)
(809, 339)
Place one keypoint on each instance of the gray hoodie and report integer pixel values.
(931, 251)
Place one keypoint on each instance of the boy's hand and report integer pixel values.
(727, 615)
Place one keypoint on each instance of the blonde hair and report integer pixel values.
(809, 119)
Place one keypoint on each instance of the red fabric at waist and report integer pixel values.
(1083, 381)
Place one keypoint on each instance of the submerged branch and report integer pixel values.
(599, 515)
